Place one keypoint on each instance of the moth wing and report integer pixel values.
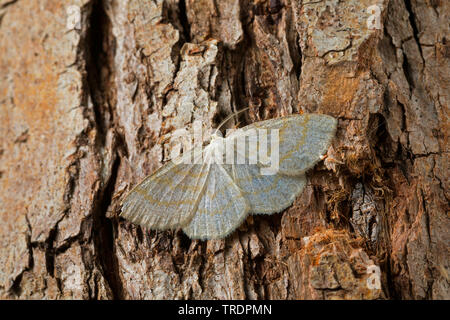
(221, 208)
(168, 198)
(267, 193)
(303, 140)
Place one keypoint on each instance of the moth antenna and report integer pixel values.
(228, 118)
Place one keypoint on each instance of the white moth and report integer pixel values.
(209, 196)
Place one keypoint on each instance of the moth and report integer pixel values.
(209, 197)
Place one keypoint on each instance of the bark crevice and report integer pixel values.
(100, 49)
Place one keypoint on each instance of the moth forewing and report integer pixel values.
(273, 165)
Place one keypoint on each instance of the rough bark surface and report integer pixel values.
(86, 113)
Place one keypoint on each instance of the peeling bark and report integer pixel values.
(88, 112)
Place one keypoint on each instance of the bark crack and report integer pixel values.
(184, 21)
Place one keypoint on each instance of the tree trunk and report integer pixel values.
(91, 90)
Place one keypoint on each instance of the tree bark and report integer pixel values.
(91, 90)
